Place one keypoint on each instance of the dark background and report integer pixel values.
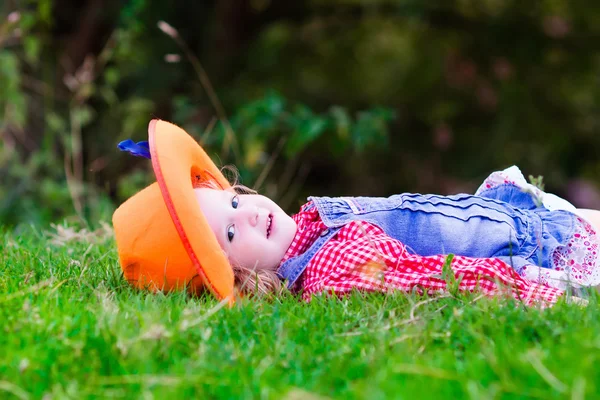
(321, 97)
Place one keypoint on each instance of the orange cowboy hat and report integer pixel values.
(163, 239)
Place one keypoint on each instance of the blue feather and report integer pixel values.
(139, 149)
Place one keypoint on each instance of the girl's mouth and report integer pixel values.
(269, 224)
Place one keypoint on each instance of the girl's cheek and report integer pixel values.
(244, 250)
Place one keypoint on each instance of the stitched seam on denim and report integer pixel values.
(351, 204)
(366, 205)
(531, 237)
(418, 205)
(325, 209)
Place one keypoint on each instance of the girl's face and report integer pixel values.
(253, 231)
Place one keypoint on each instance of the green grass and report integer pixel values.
(72, 328)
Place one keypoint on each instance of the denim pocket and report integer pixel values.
(366, 205)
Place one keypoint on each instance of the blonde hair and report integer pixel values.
(256, 282)
(248, 281)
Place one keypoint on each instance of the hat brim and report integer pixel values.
(180, 164)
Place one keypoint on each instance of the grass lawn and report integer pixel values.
(72, 328)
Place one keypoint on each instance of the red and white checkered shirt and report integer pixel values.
(362, 256)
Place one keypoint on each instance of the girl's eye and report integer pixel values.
(230, 232)
(235, 201)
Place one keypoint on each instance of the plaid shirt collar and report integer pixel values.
(309, 226)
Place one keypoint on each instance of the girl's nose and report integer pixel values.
(250, 214)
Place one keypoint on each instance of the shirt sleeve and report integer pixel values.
(365, 258)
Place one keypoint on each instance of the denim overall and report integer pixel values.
(502, 222)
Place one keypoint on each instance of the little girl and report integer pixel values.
(508, 236)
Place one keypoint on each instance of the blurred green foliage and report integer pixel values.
(314, 97)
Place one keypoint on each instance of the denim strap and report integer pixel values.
(291, 269)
